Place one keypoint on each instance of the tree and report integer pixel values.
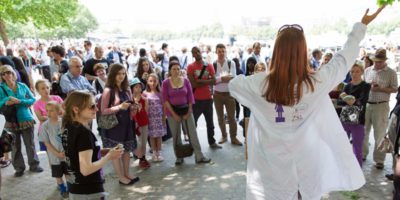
(77, 27)
(42, 13)
(384, 28)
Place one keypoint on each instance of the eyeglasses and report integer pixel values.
(92, 107)
(286, 26)
(6, 73)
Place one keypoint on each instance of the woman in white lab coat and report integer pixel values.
(297, 147)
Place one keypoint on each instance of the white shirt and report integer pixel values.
(221, 70)
(2, 123)
(304, 147)
(88, 55)
(132, 62)
(44, 58)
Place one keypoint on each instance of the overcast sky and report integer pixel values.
(186, 14)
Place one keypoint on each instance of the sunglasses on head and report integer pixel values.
(6, 73)
(286, 26)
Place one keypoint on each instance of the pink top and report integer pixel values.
(114, 108)
(40, 106)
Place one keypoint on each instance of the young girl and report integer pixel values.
(42, 86)
(157, 123)
(51, 130)
(82, 150)
(141, 119)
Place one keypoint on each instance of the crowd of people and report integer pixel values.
(140, 99)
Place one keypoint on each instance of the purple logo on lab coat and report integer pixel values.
(279, 110)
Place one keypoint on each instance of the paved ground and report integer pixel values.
(225, 178)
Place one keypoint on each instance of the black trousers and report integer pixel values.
(205, 107)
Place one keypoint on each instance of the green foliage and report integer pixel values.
(385, 2)
(256, 32)
(384, 28)
(341, 26)
(351, 195)
(214, 30)
(42, 13)
(76, 27)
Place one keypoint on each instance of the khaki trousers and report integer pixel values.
(376, 116)
(222, 99)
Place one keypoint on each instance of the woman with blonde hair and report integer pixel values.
(15, 102)
(355, 96)
(297, 148)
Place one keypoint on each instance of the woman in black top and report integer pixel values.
(82, 150)
(360, 90)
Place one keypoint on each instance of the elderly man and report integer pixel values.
(73, 80)
(383, 82)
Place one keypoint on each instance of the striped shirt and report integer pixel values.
(385, 78)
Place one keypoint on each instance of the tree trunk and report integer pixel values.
(3, 33)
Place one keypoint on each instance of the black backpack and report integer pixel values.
(215, 65)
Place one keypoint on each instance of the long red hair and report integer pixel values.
(289, 68)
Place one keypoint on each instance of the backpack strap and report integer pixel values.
(201, 73)
(215, 65)
(98, 86)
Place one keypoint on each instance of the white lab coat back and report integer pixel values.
(309, 152)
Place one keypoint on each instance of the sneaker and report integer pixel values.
(64, 195)
(144, 164)
(154, 157)
(160, 158)
(18, 174)
(5, 163)
(222, 140)
(36, 169)
(179, 161)
(390, 176)
(203, 160)
(215, 146)
(235, 141)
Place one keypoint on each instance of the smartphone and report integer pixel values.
(119, 146)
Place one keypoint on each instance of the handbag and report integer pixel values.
(385, 145)
(181, 110)
(183, 150)
(108, 121)
(9, 111)
(6, 141)
(350, 114)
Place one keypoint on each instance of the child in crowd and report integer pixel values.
(42, 86)
(156, 115)
(50, 136)
(260, 67)
(141, 119)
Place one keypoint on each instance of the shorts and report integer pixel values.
(42, 146)
(57, 171)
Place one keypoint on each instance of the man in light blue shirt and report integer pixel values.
(73, 80)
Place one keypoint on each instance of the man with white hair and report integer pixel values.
(73, 80)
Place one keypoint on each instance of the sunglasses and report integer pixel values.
(92, 107)
(6, 73)
(286, 26)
